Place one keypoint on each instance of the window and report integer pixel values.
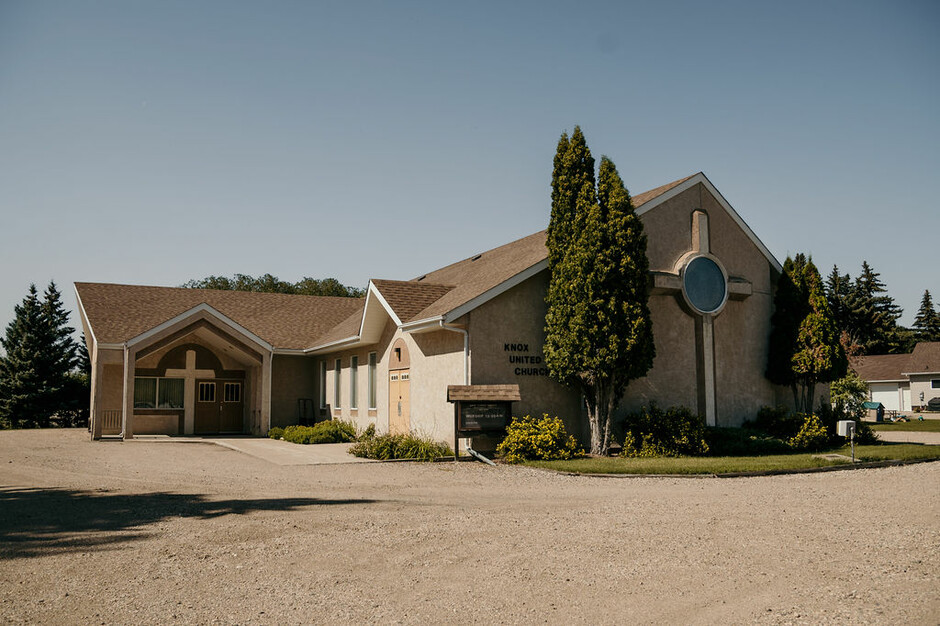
(336, 385)
(170, 393)
(322, 384)
(145, 393)
(207, 392)
(232, 392)
(372, 380)
(354, 382)
(158, 393)
(704, 285)
(935, 384)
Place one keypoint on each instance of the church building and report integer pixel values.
(179, 361)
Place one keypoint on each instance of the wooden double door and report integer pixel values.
(399, 401)
(220, 406)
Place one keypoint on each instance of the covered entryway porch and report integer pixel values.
(197, 374)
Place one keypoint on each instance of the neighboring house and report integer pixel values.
(181, 361)
(902, 382)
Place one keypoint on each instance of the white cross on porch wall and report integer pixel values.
(189, 374)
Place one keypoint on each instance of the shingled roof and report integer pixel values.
(118, 313)
(408, 298)
(925, 359)
(881, 367)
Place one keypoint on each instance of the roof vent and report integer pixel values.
(422, 277)
(476, 257)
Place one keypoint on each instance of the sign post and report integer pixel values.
(481, 410)
(846, 428)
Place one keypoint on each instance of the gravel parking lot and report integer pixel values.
(112, 532)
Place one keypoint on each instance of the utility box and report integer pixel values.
(845, 428)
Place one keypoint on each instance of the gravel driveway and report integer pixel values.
(192, 533)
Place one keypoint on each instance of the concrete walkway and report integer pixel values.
(276, 452)
(909, 437)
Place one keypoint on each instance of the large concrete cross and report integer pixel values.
(700, 281)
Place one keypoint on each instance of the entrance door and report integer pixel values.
(399, 401)
(219, 407)
(206, 418)
(232, 408)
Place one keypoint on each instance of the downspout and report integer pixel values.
(466, 348)
(466, 381)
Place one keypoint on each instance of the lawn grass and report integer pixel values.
(735, 464)
(926, 426)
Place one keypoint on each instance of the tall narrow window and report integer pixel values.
(354, 382)
(322, 384)
(372, 380)
(337, 386)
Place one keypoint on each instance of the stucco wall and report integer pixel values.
(511, 327)
(436, 360)
(292, 378)
(364, 415)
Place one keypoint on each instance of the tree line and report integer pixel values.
(267, 283)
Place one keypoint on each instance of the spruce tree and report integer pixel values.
(927, 323)
(40, 353)
(874, 314)
(598, 327)
(838, 291)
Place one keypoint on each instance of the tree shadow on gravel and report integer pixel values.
(40, 522)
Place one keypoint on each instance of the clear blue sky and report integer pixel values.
(154, 142)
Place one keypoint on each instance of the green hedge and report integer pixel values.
(331, 431)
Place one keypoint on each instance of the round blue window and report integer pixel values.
(704, 284)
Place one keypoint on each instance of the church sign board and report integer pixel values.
(481, 409)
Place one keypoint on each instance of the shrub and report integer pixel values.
(778, 422)
(330, 431)
(368, 433)
(864, 435)
(537, 439)
(655, 432)
(742, 442)
(276, 433)
(401, 446)
(812, 435)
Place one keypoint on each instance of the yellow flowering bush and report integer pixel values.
(812, 436)
(537, 439)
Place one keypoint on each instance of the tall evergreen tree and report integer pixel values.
(819, 356)
(572, 176)
(805, 343)
(598, 328)
(874, 314)
(838, 291)
(927, 322)
(40, 352)
(790, 307)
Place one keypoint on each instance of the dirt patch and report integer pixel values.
(113, 532)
